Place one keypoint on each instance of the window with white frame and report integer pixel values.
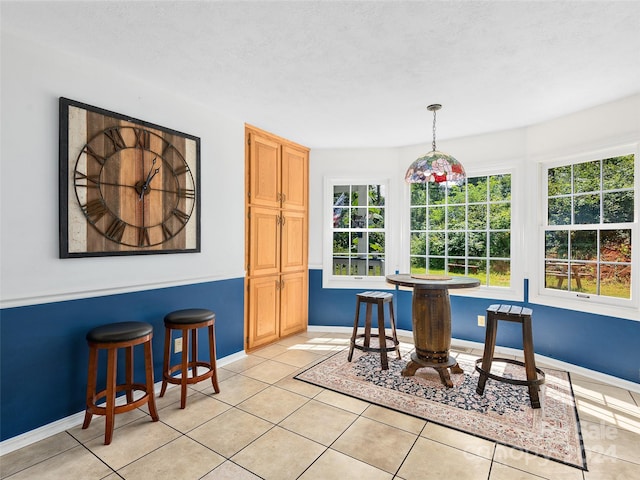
(589, 229)
(463, 230)
(358, 232)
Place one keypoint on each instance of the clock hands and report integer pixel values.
(152, 173)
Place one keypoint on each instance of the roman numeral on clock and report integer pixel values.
(116, 230)
(116, 138)
(94, 210)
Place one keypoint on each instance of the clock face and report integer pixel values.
(131, 187)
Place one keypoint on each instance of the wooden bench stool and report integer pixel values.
(112, 337)
(189, 320)
(379, 299)
(521, 315)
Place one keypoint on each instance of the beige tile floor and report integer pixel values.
(264, 424)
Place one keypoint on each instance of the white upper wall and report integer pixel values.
(33, 77)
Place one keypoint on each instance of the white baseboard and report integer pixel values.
(76, 419)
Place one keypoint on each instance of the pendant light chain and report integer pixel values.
(433, 143)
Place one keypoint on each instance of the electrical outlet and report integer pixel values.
(481, 320)
(177, 345)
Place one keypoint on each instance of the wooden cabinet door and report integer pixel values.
(295, 178)
(293, 303)
(264, 311)
(293, 255)
(264, 248)
(265, 171)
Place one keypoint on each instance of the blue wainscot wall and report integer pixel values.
(604, 344)
(44, 353)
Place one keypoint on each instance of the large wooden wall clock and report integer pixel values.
(127, 187)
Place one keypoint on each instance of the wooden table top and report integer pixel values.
(432, 281)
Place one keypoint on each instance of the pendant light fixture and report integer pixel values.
(435, 166)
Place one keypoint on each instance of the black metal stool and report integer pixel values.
(112, 337)
(379, 299)
(521, 315)
(189, 320)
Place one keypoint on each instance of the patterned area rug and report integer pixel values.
(503, 414)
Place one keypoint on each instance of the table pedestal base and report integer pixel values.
(441, 367)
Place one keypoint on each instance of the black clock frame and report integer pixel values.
(65, 185)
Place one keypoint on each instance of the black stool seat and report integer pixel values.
(371, 298)
(535, 376)
(112, 337)
(119, 332)
(189, 316)
(189, 320)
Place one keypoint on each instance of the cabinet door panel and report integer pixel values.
(264, 165)
(293, 303)
(295, 178)
(264, 250)
(264, 311)
(294, 242)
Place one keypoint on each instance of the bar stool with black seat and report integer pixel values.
(189, 321)
(511, 313)
(379, 299)
(112, 337)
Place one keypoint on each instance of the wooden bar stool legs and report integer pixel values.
(379, 299)
(535, 376)
(188, 322)
(111, 338)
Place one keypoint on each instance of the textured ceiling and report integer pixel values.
(359, 73)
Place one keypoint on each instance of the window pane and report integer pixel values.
(500, 244)
(358, 195)
(477, 188)
(436, 218)
(500, 216)
(436, 194)
(559, 211)
(584, 245)
(356, 244)
(341, 195)
(456, 217)
(559, 180)
(418, 194)
(340, 242)
(436, 243)
(586, 177)
(556, 275)
(376, 195)
(376, 242)
(556, 244)
(500, 188)
(457, 194)
(477, 243)
(587, 209)
(477, 218)
(499, 273)
(617, 207)
(418, 265)
(341, 265)
(358, 216)
(376, 218)
(615, 245)
(418, 218)
(478, 269)
(615, 280)
(340, 218)
(617, 172)
(418, 244)
(436, 265)
(455, 246)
